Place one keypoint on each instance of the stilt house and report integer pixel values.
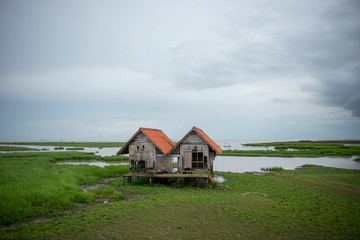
(195, 152)
(151, 151)
(148, 150)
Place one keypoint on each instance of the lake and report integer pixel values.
(249, 164)
(234, 163)
(98, 151)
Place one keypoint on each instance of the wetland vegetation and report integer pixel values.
(74, 148)
(11, 148)
(298, 149)
(69, 144)
(312, 203)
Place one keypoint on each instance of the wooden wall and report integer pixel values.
(141, 148)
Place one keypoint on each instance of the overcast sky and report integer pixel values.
(241, 69)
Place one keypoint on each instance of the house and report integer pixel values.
(151, 151)
(148, 151)
(195, 152)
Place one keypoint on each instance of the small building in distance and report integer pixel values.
(152, 152)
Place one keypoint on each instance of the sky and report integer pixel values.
(84, 70)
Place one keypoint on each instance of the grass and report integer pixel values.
(311, 203)
(107, 193)
(272, 169)
(70, 144)
(74, 148)
(303, 149)
(32, 185)
(10, 148)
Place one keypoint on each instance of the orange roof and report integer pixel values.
(205, 137)
(164, 143)
(208, 139)
(159, 139)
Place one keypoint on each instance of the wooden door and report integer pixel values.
(187, 159)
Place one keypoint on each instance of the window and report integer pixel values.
(197, 160)
(158, 151)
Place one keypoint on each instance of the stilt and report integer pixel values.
(212, 180)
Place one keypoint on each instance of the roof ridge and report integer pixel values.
(208, 139)
(171, 143)
(151, 129)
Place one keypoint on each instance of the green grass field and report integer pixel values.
(10, 148)
(69, 144)
(299, 149)
(31, 184)
(312, 203)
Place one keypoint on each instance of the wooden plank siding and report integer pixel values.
(152, 152)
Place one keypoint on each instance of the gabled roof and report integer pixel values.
(156, 136)
(205, 137)
(208, 140)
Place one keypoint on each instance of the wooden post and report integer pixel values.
(151, 181)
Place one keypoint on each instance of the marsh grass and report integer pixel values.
(311, 203)
(74, 148)
(31, 184)
(70, 144)
(10, 148)
(272, 169)
(106, 193)
(307, 149)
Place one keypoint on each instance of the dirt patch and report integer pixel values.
(93, 187)
(99, 185)
(254, 193)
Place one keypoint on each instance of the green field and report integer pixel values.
(10, 148)
(298, 149)
(69, 144)
(312, 203)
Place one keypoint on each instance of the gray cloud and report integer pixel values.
(280, 40)
(229, 67)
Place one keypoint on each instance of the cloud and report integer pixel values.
(240, 68)
(263, 41)
(77, 83)
(69, 129)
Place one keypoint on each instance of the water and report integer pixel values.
(231, 163)
(239, 145)
(93, 163)
(219, 179)
(249, 164)
(98, 151)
